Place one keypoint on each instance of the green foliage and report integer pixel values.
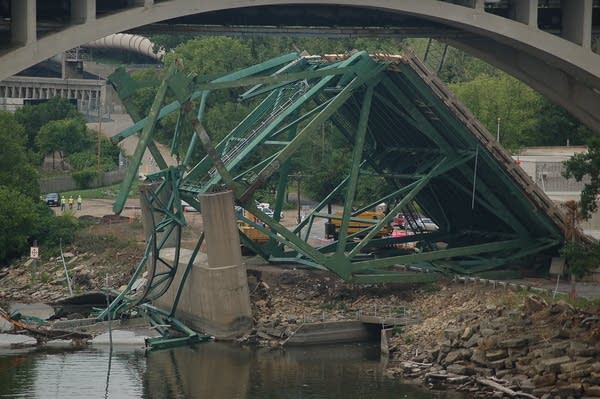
(15, 170)
(66, 135)
(33, 117)
(85, 178)
(586, 165)
(82, 160)
(581, 258)
(211, 55)
(89, 158)
(555, 126)
(502, 101)
(397, 330)
(17, 218)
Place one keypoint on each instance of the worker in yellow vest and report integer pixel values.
(71, 202)
(63, 202)
(79, 201)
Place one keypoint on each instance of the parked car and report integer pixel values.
(424, 223)
(399, 220)
(53, 199)
(266, 208)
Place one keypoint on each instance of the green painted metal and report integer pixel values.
(401, 126)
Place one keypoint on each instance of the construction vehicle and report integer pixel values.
(358, 226)
(250, 231)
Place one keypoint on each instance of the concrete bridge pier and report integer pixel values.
(215, 299)
(222, 287)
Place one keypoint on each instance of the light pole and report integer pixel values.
(498, 131)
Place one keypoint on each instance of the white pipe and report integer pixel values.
(125, 41)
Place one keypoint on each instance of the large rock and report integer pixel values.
(452, 334)
(581, 349)
(573, 390)
(570, 367)
(518, 342)
(478, 357)
(552, 365)
(460, 369)
(592, 390)
(495, 354)
(544, 380)
(460, 354)
(467, 333)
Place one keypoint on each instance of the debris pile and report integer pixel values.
(283, 301)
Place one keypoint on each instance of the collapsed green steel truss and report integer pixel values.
(403, 126)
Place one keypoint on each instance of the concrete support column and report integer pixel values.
(83, 11)
(577, 21)
(215, 297)
(525, 11)
(479, 5)
(23, 22)
(223, 284)
(221, 232)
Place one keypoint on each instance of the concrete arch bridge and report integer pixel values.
(545, 43)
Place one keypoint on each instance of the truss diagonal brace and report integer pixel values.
(354, 171)
(144, 141)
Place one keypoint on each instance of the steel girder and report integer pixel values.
(434, 156)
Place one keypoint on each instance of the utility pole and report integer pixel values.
(498, 131)
(99, 136)
(298, 177)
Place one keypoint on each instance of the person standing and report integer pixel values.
(79, 201)
(63, 202)
(71, 202)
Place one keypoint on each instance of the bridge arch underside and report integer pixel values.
(520, 37)
(431, 157)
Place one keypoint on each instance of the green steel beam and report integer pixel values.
(144, 141)
(331, 108)
(357, 153)
(441, 254)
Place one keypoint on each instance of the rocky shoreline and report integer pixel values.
(535, 349)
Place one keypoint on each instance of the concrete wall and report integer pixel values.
(332, 333)
(59, 184)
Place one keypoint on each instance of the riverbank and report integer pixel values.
(510, 343)
(486, 340)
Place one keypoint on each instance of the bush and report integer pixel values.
(49, 230)
(17, 218)
(85, 178)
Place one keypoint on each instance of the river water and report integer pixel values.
(210, 370)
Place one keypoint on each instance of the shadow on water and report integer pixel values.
(221, 371)
(211, 370)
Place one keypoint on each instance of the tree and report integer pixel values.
(67, 136)
(585, 165)
(504, 97)
(15, 170)
(555, 126)
(33, 117)
(211, 55)
(17, 218)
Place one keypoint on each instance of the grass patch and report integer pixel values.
(108, 192)
(591, 305)
(92, 242)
